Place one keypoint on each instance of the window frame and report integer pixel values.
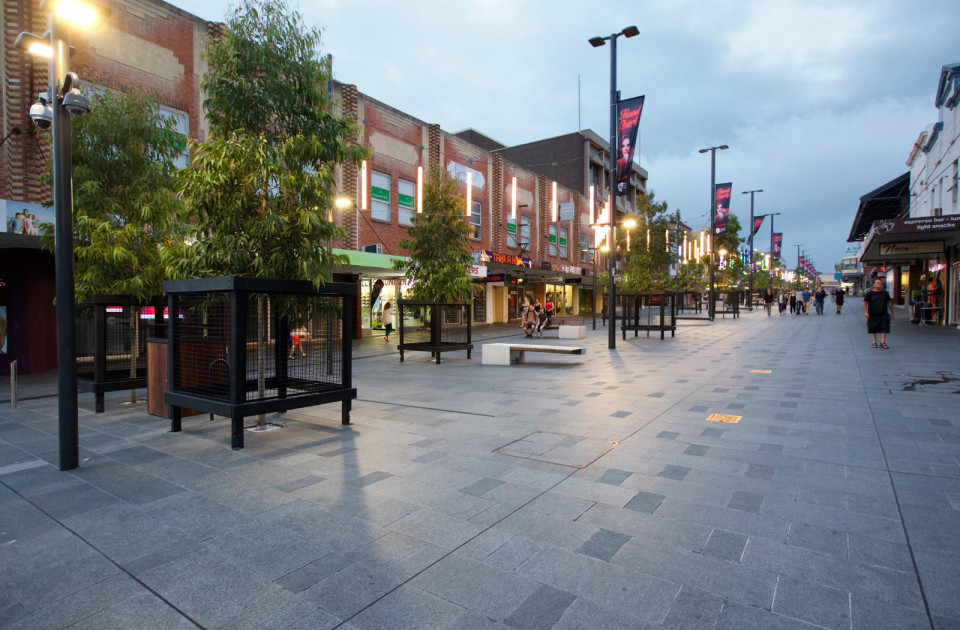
(403, 210)
(477, 224)
(376, 204)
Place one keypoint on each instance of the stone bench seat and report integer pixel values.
(512, 353)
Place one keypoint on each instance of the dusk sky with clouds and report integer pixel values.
(820, 102)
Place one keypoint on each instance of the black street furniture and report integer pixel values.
(241, 347)
(434, 327)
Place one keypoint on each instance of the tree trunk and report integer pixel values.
(261, 354)
(134, 347)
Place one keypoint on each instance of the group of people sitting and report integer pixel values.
(533, 319)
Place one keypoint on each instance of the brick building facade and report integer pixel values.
(144, 44)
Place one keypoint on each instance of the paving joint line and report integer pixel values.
(105, 556)
(896, 497)
(396, 404)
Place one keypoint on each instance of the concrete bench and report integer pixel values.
(510, 353)
(570, 331)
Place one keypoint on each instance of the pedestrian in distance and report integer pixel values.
(793, 303)
(878, 309)
(297, 337)
(768, 301)
(806, 302)
(782, 303)
(819, 298)
(839, 299)
(387, 319)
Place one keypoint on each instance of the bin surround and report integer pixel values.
(437, 343)
(229, 396)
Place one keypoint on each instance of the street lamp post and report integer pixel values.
(750, 259)
(53, 112)
(712, 307)
(596, 42)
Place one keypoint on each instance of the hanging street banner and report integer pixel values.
(628, 124)
(777, 244)
(721, 207)
(757, 222)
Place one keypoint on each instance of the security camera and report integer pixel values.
(75, 103)
(41, 114)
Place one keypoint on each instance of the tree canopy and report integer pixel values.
(261, 189)
(438, 243)
(125, 206)
(648, 262)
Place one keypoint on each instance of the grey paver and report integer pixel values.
(646, 502)
(693, 609)
(746, 501)
(613, 476)
(677, 473)
(725, 545)
(603, 545)
(541, 610)
(822, 605)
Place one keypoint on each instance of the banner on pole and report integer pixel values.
(628, 124)
(757, 222)
(777, 244)
(721, 207)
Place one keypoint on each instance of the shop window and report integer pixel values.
(563, 242)
(525, 232)
(586, 249)
(511, 233)
(406, 201)
(476, 219)
(380, 196)
(553, 240)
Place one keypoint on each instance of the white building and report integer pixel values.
(935, 157)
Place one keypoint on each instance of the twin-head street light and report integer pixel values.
(596, 42)
(712, 306)
(750, 260)
(53, 111)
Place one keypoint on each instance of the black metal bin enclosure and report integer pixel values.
(434, 327)
(729, 302)
(632, 315)
(242, 346)
(112, 332)
(691, 305)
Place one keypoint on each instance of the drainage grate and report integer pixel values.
(719, 417)
(574, 451)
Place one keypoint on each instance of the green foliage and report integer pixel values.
(261, 189)
(125, 209)
(648, 267)
(438, 243)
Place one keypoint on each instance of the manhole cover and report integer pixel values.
(558, 448)
(720, 417)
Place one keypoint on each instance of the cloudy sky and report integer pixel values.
(820, 101)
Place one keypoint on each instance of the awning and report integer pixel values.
(887, 202)
(905, 239)
(380, 265)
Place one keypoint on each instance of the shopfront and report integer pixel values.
(507, 299)
(379, 282)
(918, 258)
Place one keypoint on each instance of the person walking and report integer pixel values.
(876, 304)
(297, 337)
(782, 302)
(768, 301)
(818, 299)
(793, 303)
(839, 300)
(387, 319)
(806, 302)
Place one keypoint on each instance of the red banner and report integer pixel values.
(628, 124)
(721, 207)
(757, 222)
(777, 244)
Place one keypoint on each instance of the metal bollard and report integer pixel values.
(13, 384)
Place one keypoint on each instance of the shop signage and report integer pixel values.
(553, 238)
(379, 194)
(405, 201)
(566, 211)
(563, 241)
(508, 259)
(477, 271)
(919, 224)
(497, 277)
(920, 247)
(556, 280)
(545, 264)
(511, 228)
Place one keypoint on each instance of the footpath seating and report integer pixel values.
(513, 353)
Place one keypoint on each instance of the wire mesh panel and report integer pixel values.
(203, 328)
(247, 346)
(650, 311)
(112, 333)
(434, 327)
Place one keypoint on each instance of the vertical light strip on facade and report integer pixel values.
(555, 208)
(513, 202)
(363, 185)
(593, 218)
(469, 193)
(419, 190)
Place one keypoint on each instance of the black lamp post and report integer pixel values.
(596, 42)
(712, 307)
(750, 260)
(53, 111)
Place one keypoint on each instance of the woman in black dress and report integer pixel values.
(876, 304)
